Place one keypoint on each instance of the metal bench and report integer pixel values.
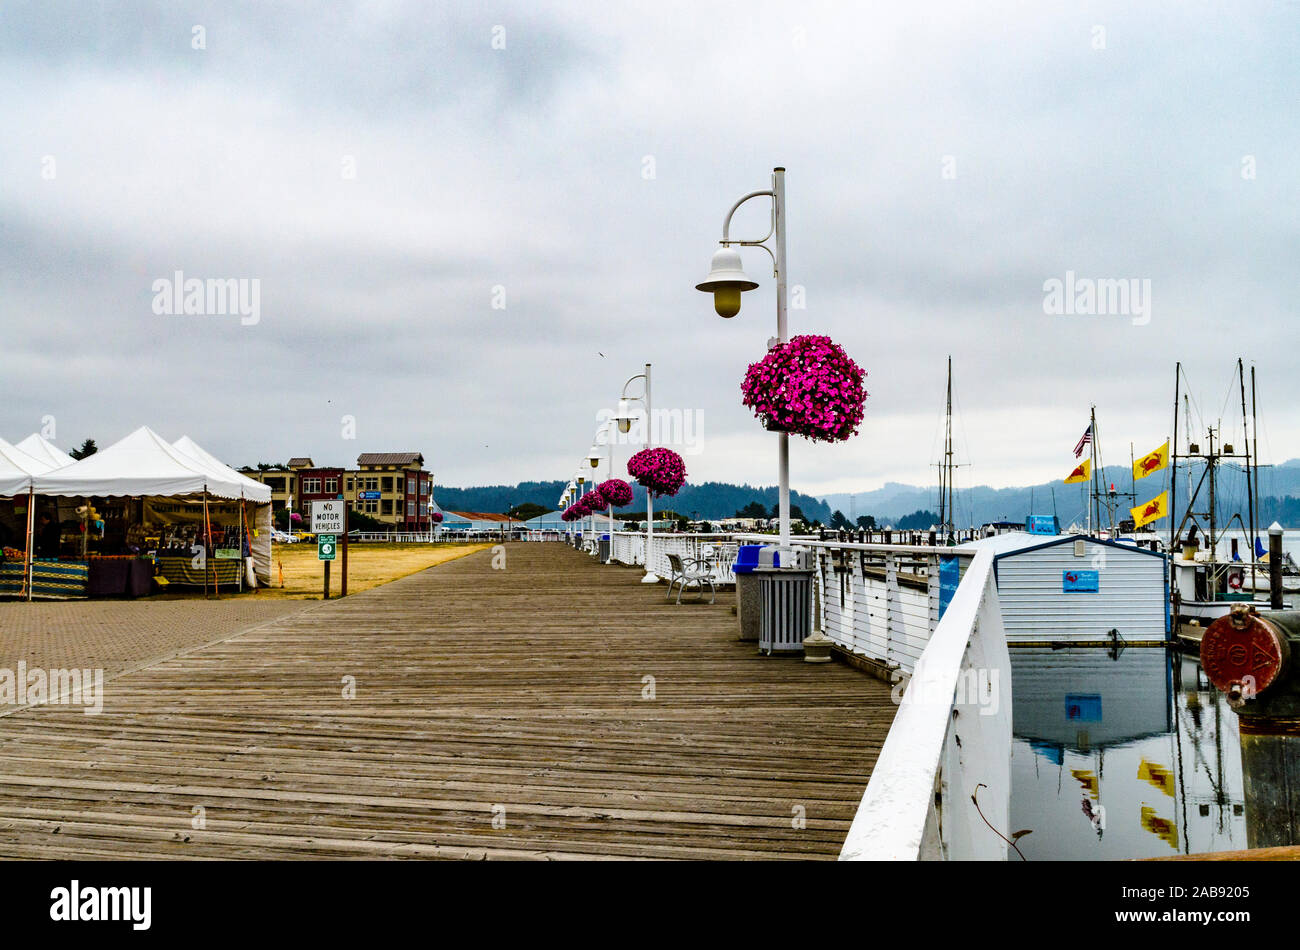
(693, 572)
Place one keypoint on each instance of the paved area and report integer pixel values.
(116, 635)
(553, 709)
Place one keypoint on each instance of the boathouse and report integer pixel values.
(1078, 589)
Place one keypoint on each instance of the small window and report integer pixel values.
(332, 486)
(1080, 548)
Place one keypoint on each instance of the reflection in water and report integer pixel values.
(1121, 756)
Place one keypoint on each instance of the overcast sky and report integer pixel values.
(388, 172)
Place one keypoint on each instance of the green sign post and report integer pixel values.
(325, 551)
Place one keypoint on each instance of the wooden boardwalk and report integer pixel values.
(497, 713)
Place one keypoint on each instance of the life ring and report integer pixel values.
(1235, 580)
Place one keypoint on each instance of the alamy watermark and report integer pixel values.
(680, 429)
(34, 686)
(179, 295)
(1126, 297)
(975, 687)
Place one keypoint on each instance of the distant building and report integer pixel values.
(391, 487)
(478, 521)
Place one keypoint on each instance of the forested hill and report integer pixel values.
(708, 500)
(1279, 491)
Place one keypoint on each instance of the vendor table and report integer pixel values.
(115, 576)
(181, 572)
(51, 579)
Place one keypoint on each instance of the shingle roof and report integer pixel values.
(484, 516)
(389, 458)
(303, 461)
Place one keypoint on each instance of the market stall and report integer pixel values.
(17, 524)
(193, 520)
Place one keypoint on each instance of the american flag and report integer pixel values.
(1087, 437)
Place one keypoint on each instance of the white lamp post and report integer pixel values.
(605, 436)
(625, 417)
(727, 280)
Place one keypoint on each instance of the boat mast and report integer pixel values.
(1210, 460)
(1250, 493)
(1095, 501)
(1173, 462)
(945, 477)
(1254, 424)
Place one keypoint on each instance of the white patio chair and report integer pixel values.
(690, 572)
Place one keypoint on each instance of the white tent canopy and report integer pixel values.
(143, 464)
(259, 541)
(17, 469)
(45, 451)
(253, 489)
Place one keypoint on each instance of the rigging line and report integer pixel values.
(1192, 405)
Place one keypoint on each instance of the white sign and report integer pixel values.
(327, 517)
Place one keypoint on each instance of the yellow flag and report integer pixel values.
(1157, 775)
(1162, 828)
(1152, 462)
(1081, 473)
(1153, 510)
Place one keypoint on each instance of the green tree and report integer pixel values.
(866, 522)
(839, 522)
(527, 511)
(754, 509)
(920, 520)
(88, 448)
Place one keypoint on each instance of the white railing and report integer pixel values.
(879, 601)
(930, 616)
(942, 783)
(718, 550)
(421, 537)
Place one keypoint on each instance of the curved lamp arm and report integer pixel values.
(761, 242)
(640, 376)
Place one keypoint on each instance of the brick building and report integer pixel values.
(391, 487)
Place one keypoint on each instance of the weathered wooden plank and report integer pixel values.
(475, 688)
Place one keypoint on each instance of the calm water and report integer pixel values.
(1130, 757)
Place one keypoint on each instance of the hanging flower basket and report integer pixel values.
(616, 492)
(594, 500)
(660, 471)
(809, 387)
(436, 517)
(570, 514)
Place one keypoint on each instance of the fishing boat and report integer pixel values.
(1204, 585)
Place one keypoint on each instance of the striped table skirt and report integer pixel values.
(180, 571)
(51, 580)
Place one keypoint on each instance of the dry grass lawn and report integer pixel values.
(369, 565)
